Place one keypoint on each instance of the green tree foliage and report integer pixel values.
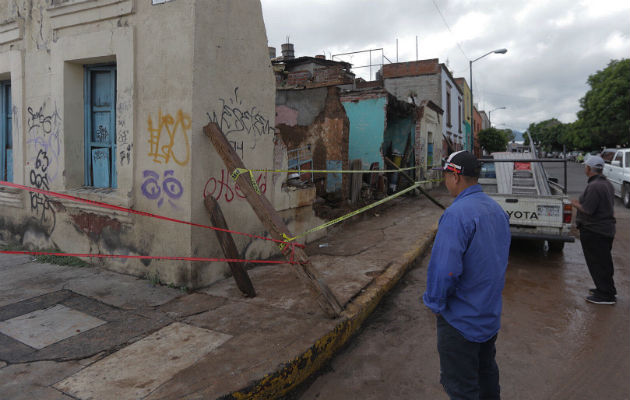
(604, 118)
(549, 134)
(493, 140)
(525, 139)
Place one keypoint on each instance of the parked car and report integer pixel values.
(617, 170)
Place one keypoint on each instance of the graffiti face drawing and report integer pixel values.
(170, 188)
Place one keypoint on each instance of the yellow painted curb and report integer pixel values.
(296, 371)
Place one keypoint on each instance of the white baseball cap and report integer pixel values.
(595, 162)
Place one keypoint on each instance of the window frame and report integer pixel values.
(459, 110)
(6, 119)
(448, 105)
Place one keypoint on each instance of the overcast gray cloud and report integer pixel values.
(553, 46)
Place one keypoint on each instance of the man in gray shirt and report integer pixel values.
(596, 222)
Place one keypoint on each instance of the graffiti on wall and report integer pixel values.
(168, 138)
(169, 189)
(44, 131)
(40, 203)
(234, 118)
(225, 188)
(43, 137)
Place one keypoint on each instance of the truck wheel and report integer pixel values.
(625, 195)
(555, 245)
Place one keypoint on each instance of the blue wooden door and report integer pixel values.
(333, 180)
(6, 137)
(100, 132)
(429, 155)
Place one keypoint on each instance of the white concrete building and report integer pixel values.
(106, 100)
(429, 80)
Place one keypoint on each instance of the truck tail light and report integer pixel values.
(567, 214)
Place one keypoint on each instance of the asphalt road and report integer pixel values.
(552, 344)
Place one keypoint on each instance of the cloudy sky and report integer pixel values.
(553, 46)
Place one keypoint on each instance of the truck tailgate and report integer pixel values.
(543, 211)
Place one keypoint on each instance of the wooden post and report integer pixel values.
(356, 182)
(229, 248)
(273, 222)
(390, 162)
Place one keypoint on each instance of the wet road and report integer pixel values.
(552, 344)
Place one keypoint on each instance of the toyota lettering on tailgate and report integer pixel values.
(522, 214)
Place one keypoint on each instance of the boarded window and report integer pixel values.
(100, 126)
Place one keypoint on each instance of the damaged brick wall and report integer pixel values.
(327, 134)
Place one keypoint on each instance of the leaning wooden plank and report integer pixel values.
(437, 203)
(273, 222)
(229, 247)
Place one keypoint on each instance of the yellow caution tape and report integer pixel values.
(238, 171)
(254, 184)
(359, 211)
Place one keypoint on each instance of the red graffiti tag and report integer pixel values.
(225, 187)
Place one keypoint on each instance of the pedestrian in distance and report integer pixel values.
(465, 279)
(596, 222)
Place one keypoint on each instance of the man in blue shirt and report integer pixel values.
(465, 279)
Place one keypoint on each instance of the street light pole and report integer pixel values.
(472, 112)
(490, 114)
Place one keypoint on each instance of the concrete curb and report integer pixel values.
(296, 371)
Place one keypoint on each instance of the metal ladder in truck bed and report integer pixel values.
(511, 180)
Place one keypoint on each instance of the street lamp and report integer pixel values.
(490, 113)
(472, 112)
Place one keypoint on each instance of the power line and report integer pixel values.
(449, 29)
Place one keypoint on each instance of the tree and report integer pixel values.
(547, 134)
(525, 139)
(493, 140)
(604, 118)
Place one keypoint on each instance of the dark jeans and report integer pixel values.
(468, 370)
(597, 252)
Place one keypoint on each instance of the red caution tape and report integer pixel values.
(131, 211)
(45, 253)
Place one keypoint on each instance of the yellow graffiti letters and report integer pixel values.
(176, 145)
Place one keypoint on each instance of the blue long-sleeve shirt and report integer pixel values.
(466, 273)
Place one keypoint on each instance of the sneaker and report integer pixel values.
(600, 300)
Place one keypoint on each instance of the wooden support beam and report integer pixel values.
(273, 223)
(404, 174)
(229, 248)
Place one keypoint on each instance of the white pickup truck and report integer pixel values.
(538, 208)
(617, 170)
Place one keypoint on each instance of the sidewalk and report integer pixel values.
(85, 333)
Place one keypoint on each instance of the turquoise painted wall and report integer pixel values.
(467, 136)
(397, 133)
(367, 122)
